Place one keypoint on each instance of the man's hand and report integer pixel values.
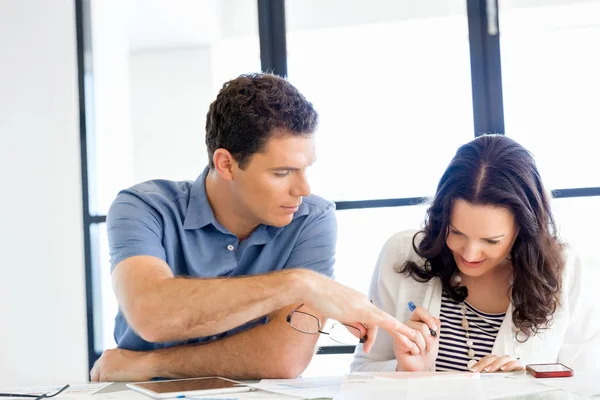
(339, 302)
(122, 365)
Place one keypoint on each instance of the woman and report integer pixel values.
(497, 289)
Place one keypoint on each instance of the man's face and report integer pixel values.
(270, 189)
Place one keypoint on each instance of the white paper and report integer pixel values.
(384, 386)
(412, 375)
(126, 394)
(304, 388)
(436, 386)
(84, 389)
(510, 388)
(585, 384)
(255, 395)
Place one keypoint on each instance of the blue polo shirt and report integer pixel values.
(173, 221)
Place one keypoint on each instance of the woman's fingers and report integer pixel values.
(403, 345)
(514, 365)
(425, 332)
(499, 362)
(422, 315)
(483, 363)
(491, 363)
(420, 342)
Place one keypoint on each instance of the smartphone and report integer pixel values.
(556, 370)
(181, 388)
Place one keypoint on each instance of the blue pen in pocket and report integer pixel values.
(412, 307)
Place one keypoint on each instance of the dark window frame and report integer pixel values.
(488, 115)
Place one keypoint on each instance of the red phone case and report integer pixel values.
(549, 374)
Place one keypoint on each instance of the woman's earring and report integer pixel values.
(456, 279)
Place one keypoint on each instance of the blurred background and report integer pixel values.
(97, 95)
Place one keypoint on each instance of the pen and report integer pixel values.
(411, 307)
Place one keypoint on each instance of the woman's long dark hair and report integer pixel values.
(495, 170)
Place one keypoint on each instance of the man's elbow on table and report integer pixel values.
(289, 363)
(148, 322)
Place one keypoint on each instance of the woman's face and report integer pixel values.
(480, 237)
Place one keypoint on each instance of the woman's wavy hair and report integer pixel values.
(495, 170)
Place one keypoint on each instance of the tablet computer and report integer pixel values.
(180, 388)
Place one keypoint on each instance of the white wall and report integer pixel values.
(170, 93)
(42, 300)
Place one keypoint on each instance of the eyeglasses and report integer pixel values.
(309, 324)
(35, 396)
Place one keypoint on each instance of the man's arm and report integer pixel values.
(161, 308)
(274, 350)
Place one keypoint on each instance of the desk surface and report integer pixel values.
(388, 386)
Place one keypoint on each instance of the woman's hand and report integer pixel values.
(421, 321)
(491, 363)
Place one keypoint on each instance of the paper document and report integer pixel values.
(411, 375)
(585, 384)
(83, 389)
(256, 395)
(125, 394)
(383, 386)
(304, 388)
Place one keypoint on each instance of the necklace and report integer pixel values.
(465, 325)
(468, 341)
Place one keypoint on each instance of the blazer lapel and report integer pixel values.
(433, 297)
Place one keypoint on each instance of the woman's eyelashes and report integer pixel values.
(493, 242)
(489, 241)
(455, 232)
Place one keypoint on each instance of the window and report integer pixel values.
(550, 78)
(399, 86)
(150, 75)
(377, 75)
(349, 61)
(578, 220)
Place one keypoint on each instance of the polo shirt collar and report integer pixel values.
(200, 214)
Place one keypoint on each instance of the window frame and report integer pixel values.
(488, 115)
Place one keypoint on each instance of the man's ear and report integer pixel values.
(225, 164)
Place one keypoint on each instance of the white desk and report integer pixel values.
(396, 387)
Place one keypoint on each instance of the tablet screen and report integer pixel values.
(188, 385)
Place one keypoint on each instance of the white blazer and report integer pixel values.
(572, 339)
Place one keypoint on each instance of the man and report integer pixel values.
(205, 273)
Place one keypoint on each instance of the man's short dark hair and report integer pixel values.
(249, 108)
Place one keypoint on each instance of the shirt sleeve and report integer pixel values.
(315, 247)
(581, 346)
(134, 228)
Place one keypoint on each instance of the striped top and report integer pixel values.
(483, 328)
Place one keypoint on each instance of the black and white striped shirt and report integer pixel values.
(483, 328)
